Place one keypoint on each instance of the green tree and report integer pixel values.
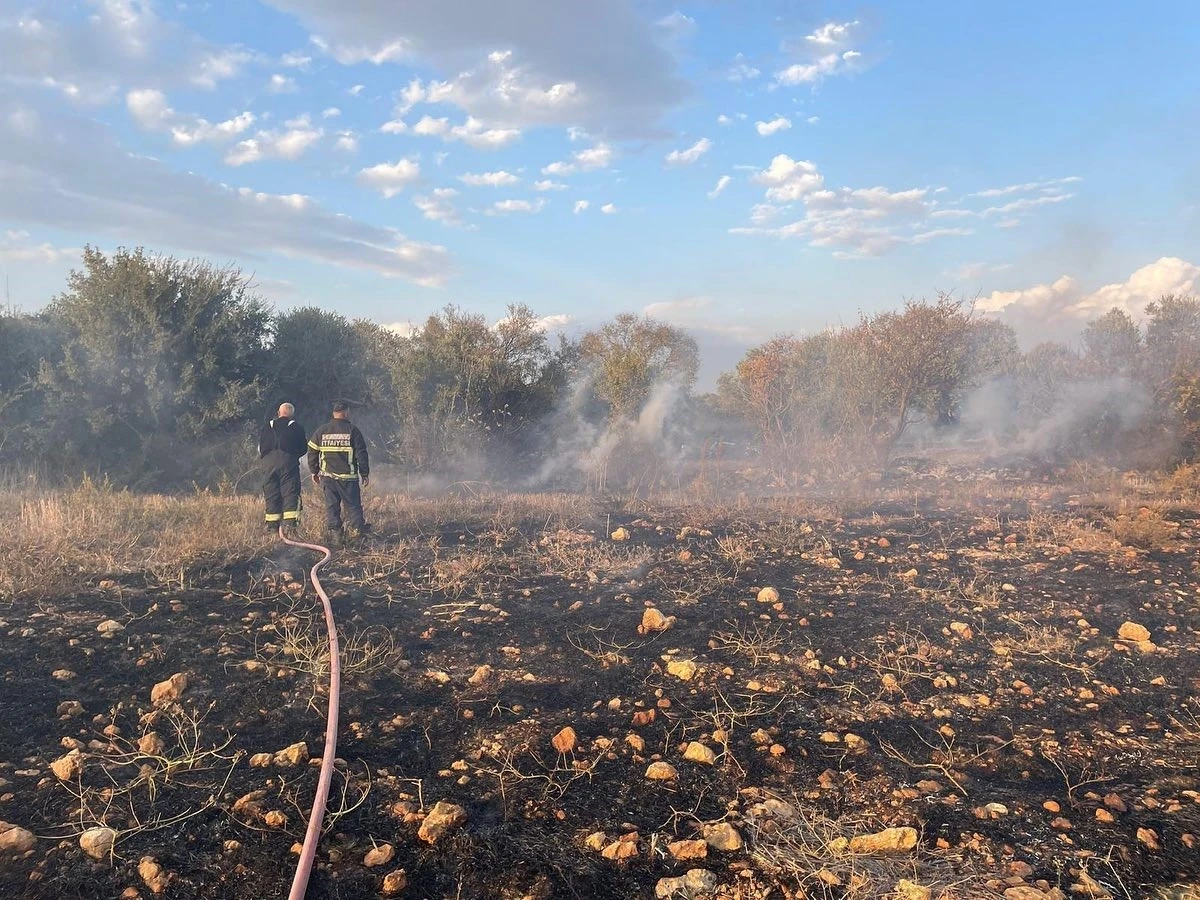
(628, 356)
(162, 357)
(1113, 344)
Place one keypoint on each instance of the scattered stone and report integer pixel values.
(963, 630)
(275, 819)
(153, 875)
(619, 850)
(170, 690)
(481, 675)
(908, 890)
(621, 534)
(379, 856)
(683, 669)
(110, 628)
(150, 744)
(636, 741)
(261, 760)
(597, 841)
(1023, 892)
(698, 753)
(723, 836)
(1131, 631)
(443, 818)
(69, 767)
(654, 621)
(694, 884)
(15, 839)
(1148, 838)
(768, 595)
(98, 842)
(395, 881)
(69, 709)
(661, 771)
(294, 755)
(565, 741)
(890, 840)
(62, 675)
(684, 850)
(249, 805)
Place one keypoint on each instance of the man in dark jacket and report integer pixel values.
(281, 443)
(338, 461)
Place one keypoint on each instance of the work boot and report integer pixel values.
(291, 530)
(272, 528)
(332, 539)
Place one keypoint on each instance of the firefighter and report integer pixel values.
(338, 461)
(280, 446)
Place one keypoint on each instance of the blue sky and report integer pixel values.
(739, 169)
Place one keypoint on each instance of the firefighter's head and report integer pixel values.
(286, 410)
(340, 409)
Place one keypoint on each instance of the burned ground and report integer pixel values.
(960, 664)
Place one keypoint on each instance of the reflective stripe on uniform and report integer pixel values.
(273, 517)
(291, 514)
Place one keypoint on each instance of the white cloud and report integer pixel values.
(541, 75)
(404, 329)
(413, 94)
(813, 120)
(355, 90)
(832, 33)
(504, 207)
(690, 155)
(598, 157)
(674, 310)
(608, 209)
(438, 205)
(788, 179)
(150, 111)
(815, 72)
(390, 179)
(281, 84)
(295, 60)
(724, 120)
(347, 142)
(330, 112)
(1025, 204)
(722, 183)
(581, 206)
(395, 126)
(547, 185)
(553, 322)
(489, 179)
(776, 125)
(740, 70)
(1026, 187)
(290, 143)
(92, 57)
(15, 247)
(472, 132)
(1065, 299)
(677, 24)
(62, 171)
(975, 271)
(924, 237)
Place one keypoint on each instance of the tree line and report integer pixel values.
(156, 371)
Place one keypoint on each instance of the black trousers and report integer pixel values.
(281, 492)
(337, 492)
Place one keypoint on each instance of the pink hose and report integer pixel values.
(313, 834)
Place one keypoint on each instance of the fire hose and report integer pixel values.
(313, 835)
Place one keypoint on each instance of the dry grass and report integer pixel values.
(1145, 528)
(61, 536)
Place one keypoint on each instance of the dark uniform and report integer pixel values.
(337, 454)
(280, 446)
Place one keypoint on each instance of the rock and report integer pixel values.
(62, 675)
(443, 818)
(15, 839)
(98, 842)
(695, 883)
(481, 675)
(1023, 892)
(661, 771)
(261, 760)
(684, 850)
(153, 875)
(150, 744)
(110, 628)
(69, 709)
(768, 595)
(1131, 631)
(683, 669)
(597, 841)
(621, 534)
(249, 805)
(723, 836)
(294, 755)
(564, 742)
(963, 630)
(908, 890)
(636, 741)
(619, 850)
(69, 767)
(379, 856)
(170, 690)
(275, 819)
(654, 621)
(1148, 838)
(698, 753)
(890, 840)
(395, 881)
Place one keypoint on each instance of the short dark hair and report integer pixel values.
(340, 406)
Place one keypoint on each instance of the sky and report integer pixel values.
(739, 169)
